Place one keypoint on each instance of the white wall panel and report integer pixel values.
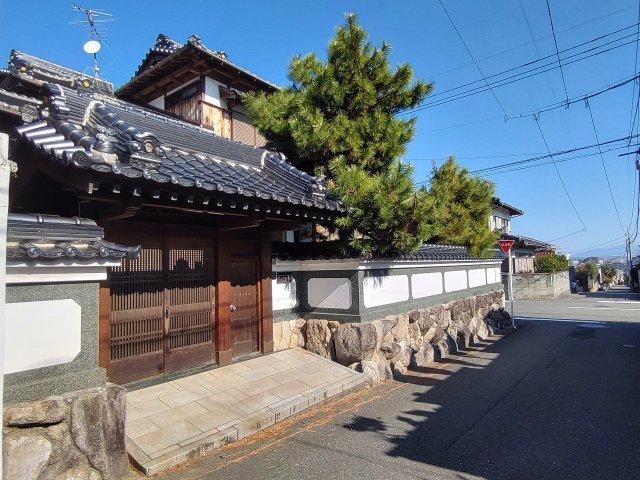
(455, 280)
(382, 290)
(426, 284)
(329, 293)
(491, 275)
(283, 294)
(477, 277)
(212, 92)
(41, 334)
(158, 102)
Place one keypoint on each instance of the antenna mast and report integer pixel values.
(93, 21)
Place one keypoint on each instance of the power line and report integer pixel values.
(573, 252)
(548, 57)
(581, 98)
(546, 75)
(479, 157)
(528, 163)
(555, 41)
(546, 108)
(471, 55)
(541, 164)
(635, 70)
(516, 47)
(566, 191)
(604, 167)
(549, 155)
(521, 76)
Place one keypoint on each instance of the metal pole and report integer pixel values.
(513, 324)
(5, 172)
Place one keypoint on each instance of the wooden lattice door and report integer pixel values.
(245, 328)
(189, 312)
(162, 311)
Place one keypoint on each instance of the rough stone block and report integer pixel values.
(399, 370)
(25, 453)
(423, 357)
(320, 337)
(49, 411)
(98, 428)
(415, 337)
(390, 350)
(355, 342)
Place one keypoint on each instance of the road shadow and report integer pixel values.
(546, 402)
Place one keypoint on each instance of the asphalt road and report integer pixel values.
(557, 399)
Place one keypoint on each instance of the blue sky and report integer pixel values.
(263, 36)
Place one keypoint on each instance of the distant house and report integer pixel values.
(525, 249)
(501, 215)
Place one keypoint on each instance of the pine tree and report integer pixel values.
(462, 208)
(339, 119)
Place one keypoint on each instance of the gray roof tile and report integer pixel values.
(49, 237)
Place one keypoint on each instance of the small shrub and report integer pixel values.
(551, 264)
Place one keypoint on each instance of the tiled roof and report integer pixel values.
(428, 252)
(45, 71)
(88, 130)
(528, 241)
(49, 237)
(18, 104)
(166, 47)
(513, 211)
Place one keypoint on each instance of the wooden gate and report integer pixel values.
(245, 328)
(162, 312)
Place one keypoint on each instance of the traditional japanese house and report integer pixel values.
(203, 208)
(197, 84)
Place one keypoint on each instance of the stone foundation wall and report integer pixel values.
(79, 435)
(385, 347)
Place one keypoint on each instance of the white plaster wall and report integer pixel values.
(426, 284)
(158, 102)
(494, 275)
(283, 294)
(382, 290)
(212, 92)
(497, 273)
(477, 277)
(491, 276)
(41, 334)
(455, 280)
(329, 293)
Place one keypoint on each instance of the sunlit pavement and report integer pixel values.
(558, 399)
(618, 304)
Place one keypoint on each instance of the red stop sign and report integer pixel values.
(505, 245)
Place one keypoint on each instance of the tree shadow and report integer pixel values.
(366, 424)
(504, 419)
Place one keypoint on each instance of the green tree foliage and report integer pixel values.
(608, 273)
(551, 264)
(394, 216)
(344, 108)
(339, 119)
(585, 271)
(462, 208)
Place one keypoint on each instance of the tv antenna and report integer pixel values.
(94, 20)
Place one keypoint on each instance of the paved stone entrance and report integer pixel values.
(172, 422)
